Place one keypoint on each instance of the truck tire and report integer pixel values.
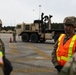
(34, 38)
(25, 37)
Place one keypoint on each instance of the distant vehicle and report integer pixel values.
(39, 30)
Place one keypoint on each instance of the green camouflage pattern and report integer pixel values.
(2, 47)
(71, 20)
(70, 67)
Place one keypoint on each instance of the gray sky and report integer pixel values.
(13, 12)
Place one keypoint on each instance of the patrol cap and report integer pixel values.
(70, 20)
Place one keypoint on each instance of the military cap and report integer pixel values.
(70, 20)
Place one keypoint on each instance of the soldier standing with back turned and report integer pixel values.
(65, 46)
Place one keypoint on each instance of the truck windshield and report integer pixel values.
(27, 27)
(18, 27)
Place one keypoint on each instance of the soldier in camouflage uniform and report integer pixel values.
(1, 57)
(7, 67)
(68, 67)
(1, 53)
(14, 36)
(4, 63)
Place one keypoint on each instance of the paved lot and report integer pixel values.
(29, 58)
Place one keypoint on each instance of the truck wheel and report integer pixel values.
(25, 37)
(34, 38)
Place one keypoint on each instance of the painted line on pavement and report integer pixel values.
(41, 53)
(13, 48)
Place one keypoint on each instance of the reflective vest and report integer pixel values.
(64, 52)
(1, 56)
(1, 60)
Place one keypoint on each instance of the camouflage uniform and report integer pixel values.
(7, 68)
(2, 49)
(69, 68)
(1, 53)
(14, 36)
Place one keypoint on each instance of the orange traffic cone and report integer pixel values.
(10, 40)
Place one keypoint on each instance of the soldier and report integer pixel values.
(14, 36)
(1, 59)
(5, 64)
(1, 54)
(7, 68)
(65, 46)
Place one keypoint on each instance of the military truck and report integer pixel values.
(39, 30)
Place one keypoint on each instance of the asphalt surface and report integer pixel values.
(29, 58)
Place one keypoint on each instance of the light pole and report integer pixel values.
(39, 11)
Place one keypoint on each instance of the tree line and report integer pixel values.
(8, 28)
(53, 26)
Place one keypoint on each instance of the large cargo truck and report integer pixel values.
(39, 30)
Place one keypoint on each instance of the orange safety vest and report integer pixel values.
(64, 52)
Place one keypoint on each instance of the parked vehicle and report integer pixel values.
(39, 30)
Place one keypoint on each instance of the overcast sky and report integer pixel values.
(13, 12)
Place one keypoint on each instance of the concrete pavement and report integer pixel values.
(29, 58)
